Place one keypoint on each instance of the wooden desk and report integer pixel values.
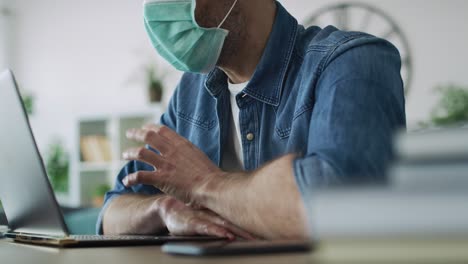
(329, 252)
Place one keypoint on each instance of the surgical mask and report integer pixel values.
(177, 37)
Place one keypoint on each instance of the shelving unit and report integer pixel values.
(86, 176)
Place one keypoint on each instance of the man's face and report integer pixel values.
(210, 13)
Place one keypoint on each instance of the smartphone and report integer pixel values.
(221, 248)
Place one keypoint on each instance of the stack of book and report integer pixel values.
(95, 149)
(427, 197)
(435, 159)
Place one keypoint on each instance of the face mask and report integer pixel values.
(173, 31)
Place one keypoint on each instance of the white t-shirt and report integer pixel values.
(233, 157)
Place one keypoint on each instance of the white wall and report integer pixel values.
(438, 34)
(77, 56)
(3, 22)
(5, 33)
(80, 58)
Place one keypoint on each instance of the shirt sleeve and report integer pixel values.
(359, 105)
(168, 119)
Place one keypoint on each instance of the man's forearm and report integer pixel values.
(265, 202)
(133, 214)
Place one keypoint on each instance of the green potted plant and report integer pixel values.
(57, 164)
(155, 86)
(452, 109)
(151, 75)
(99, 192)
(28, 101)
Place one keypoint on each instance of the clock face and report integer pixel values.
(349, 16)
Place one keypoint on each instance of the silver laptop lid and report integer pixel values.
(28, 200)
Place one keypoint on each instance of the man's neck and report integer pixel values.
(241, 67)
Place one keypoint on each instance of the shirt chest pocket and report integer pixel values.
(190, 121)
(294, 118)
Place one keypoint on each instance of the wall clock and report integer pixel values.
(354, 16)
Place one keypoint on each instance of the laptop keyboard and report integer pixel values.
(120, 238)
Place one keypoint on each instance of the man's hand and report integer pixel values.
(181, 169)
(249, 200)
(151, 215)
(183, 220)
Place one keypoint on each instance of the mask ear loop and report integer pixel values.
(229, 13)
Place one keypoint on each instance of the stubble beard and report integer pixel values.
(235, 24)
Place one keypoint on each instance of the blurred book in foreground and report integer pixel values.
(436, 160)
(427, 197)
(440, 176)
(387, 213)
(436, 146)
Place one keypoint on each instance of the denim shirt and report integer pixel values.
(332, 97)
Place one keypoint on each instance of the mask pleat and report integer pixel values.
(170, 11)
(178, 39)
(205, 47)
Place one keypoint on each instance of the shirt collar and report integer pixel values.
(267, 82)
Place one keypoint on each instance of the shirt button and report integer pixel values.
(250, 136)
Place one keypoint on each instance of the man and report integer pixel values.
(286, 109)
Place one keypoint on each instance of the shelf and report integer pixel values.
(90, 182)
(95, 166)
(87, 175)
(126, 123)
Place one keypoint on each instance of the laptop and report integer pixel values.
(31, 208)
